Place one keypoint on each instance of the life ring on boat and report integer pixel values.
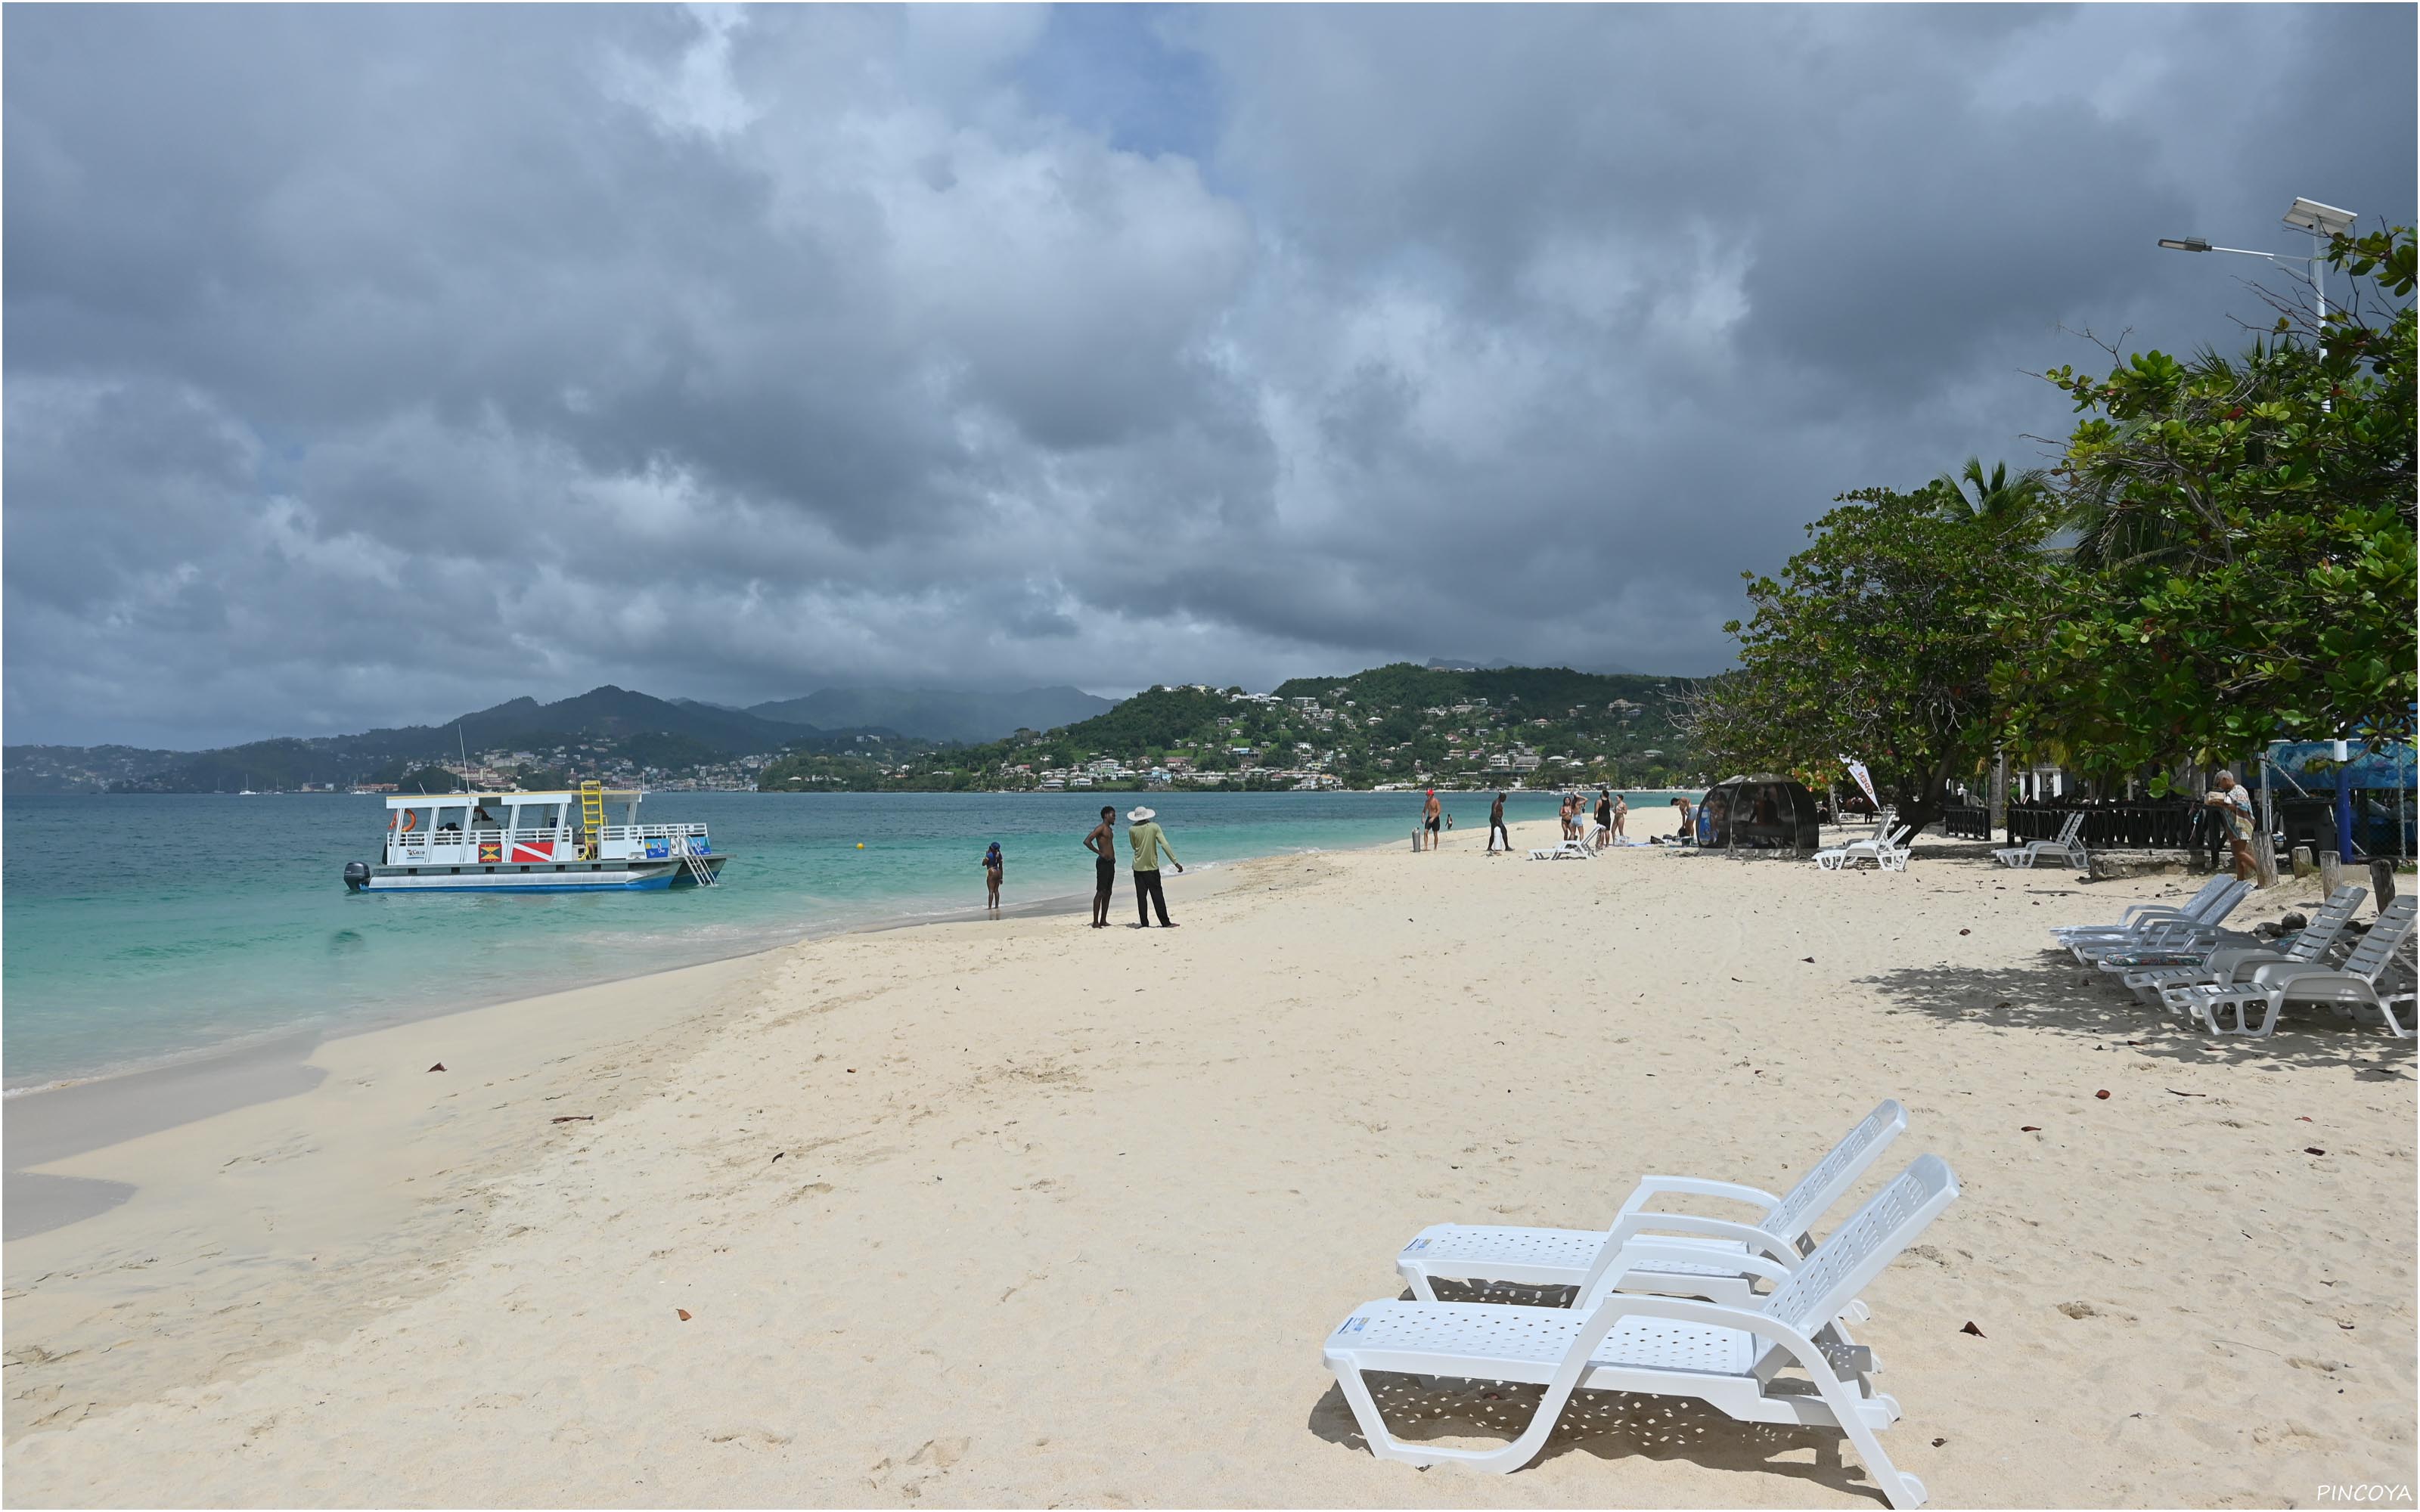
(408, 822)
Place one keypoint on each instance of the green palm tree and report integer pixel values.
(2114, 524)
(1995, 499)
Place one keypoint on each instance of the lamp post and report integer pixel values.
(2325, 223)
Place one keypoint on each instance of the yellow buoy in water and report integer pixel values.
(861, 845)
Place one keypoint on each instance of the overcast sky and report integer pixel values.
(368, 364)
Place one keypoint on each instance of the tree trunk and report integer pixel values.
(1922, 807)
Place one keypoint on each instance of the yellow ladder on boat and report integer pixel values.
(591, 816)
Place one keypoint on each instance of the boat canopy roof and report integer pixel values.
(422, 800)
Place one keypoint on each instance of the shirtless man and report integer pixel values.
(2233, 806)
(1430, 818)
(1103, 844)
(1496, 827)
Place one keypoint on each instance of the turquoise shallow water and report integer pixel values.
(141, 929)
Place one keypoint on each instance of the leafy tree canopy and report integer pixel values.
(2244, 565)
(1873, 643)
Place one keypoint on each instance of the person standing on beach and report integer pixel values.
(2233, 806)
(1147, 840)
(1103, 844)
(1496, 827)
(993, 866)
(1687, 833)
(1429, 817)
(1620, 817)
(1604, 818)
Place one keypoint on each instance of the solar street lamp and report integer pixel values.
(2323, 221)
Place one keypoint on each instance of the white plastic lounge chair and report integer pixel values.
(1718, 1258)
(2068, 847)
(2193, 907)
(2223, 963)
(2353, 987)
(1570, 850)
(2153, 932)
(1726, 1357)
(1880, 848)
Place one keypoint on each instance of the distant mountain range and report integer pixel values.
(610, 723)
(618, 713)
(933, 715)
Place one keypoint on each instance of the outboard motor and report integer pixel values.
(357, 876)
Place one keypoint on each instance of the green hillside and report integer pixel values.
(935, 715)
(1534, 726)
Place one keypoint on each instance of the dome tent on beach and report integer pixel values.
(1763, 812)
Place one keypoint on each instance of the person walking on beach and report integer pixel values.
(992, 866)
(2233, 806)
(1496, 827)
(1429, 815)
(1103, 844)
(1147, 840)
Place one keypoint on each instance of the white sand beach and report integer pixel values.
(1027, 1213)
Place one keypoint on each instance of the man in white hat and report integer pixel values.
(1148, 840)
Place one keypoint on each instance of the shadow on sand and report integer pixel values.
(2057, 996)
(1609, 1425)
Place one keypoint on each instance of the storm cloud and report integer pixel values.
(363, 365)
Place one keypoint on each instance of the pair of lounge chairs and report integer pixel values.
(2068, 847)
(1570, 850)
(1887, 848)
(1666, 1304)
(2371, 979)
(2158, 927)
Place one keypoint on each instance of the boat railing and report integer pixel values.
(556, 842)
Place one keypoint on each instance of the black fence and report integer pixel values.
(1963, 820)
(2125, 826)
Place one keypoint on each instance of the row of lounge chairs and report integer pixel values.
(1667, 1305)
(2183, 959)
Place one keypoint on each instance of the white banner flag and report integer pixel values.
(1865, 779)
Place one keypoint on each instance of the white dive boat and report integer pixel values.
(555, 841)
